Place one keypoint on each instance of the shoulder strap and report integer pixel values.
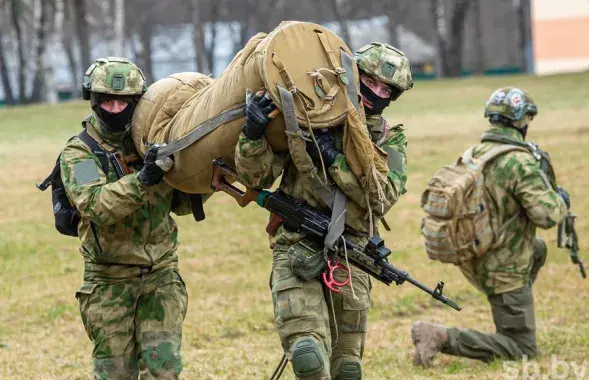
(480, 162)
(96, 149)
(56, 170)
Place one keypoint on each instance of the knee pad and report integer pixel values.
(307, 358)
(349, 370)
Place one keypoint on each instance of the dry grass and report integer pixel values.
(225, 261)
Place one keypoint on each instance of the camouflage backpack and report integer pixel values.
(457, 227)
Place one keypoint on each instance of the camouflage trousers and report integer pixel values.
(306, 309)
(513, 315)
(135, 324)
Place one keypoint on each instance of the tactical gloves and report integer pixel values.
(257, 109)
(565, 196)
(327, 149)
(151, 173)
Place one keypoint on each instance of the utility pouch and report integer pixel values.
(66, 216)
(307, 260)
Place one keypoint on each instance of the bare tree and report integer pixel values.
(47, 11)
(82, 32)
(210, 47)
(198, 36)
(450, 44)
(67, 42)
(480, 46)
(342, 10)
(396, 11)
(6, 85)
(16, 8)
(119, 28)
(524, 14)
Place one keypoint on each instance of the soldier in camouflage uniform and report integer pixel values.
(323, 333)
(133, 300)
(520, 199)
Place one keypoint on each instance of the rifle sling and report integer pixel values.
(334, 198)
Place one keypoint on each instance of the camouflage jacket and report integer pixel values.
(515, 185)
(259, 167)
(122, 221)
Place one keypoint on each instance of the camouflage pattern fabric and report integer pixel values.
(386, 63)
(132, 222)
(337, 322)
(303, 308)
(136, 325)
(133, 300)
(513, 315)
(515, 185)
(259, 167)
(511, 103)
(114, 75)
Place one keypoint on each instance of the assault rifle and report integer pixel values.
(299, 216)
(567, 234)
(567, 238)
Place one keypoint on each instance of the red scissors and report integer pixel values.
(328, 276)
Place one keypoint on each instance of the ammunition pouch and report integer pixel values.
(307, 259)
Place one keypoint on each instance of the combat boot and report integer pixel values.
(428, 339)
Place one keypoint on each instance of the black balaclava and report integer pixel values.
(378, 103)
(113, 122)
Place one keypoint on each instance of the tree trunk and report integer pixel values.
(119, 28)
(437, 10)
(41, 37)
(68, 43)
(145, 35)
(396, 12)
(524, 21)
(6, 85)
(56, 31)
(210, 48)
(479, 68)
(81, 27)
(454, 56)
(198, 37)
(340, 8)
(16, 14)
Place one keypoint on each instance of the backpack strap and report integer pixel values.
(480, 162)
(51, 177)
(97, 150)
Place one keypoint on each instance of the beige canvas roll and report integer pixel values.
(293, 56)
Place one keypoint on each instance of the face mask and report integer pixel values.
(378, 103)
(113, 122)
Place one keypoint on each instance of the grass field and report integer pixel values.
(225, 260)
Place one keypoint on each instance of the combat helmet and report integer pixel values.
(387, 64)
(510, 103)
(114, 76)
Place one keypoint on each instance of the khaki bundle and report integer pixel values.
(457, 227)
(201, 118)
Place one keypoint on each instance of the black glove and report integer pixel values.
(565, 196)
(327, 149)
(257, 109)
(151, 173)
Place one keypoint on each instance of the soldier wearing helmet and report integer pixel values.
(132, 300)
(521, 198)
(323, 334)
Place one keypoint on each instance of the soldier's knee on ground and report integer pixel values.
(539, 258)
(309, 362)
(349, 370)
